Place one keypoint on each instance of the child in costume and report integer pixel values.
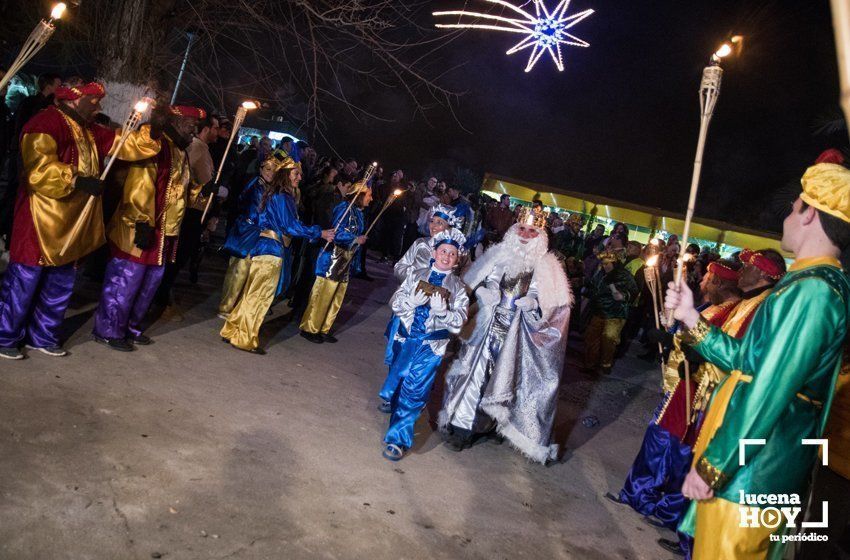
(245, 232)
(334, 264)
(431, 305)
(420, 255)
(270, 258)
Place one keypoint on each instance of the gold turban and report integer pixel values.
(826, 186)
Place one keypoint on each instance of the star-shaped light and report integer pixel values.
(546, 30)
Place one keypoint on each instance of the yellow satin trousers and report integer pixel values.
(323, 307)
(718, 534)
(234, 282)
(242, 327)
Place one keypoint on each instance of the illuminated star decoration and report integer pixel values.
(546, 31)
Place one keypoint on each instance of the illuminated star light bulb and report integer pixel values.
(58, 11)
(545, 30)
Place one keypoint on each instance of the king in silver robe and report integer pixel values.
(506, 376)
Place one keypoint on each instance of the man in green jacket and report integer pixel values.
(781, 386)
(610, 290)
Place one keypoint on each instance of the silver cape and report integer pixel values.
(510, 365)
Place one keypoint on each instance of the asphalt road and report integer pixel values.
(189, 449)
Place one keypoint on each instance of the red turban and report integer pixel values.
(72, 93)
(723, 272)
(188, 112)
(830, 156)
(761, 262)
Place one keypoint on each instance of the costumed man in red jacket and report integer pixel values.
(63, 152)
(143, 231)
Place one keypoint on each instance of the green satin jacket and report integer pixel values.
(789, 358)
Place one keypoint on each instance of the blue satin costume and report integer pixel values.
(346, 233)
(281, 216)
(653, 485)
(414, 367)
(244, 234)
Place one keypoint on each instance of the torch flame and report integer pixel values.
(58, 10)
(374, 164)
(397, 192)
(652, 261)
(724, 51)
(249, 105)
(141, 106)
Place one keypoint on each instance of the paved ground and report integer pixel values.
(189, 449)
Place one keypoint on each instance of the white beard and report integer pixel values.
(517, 257)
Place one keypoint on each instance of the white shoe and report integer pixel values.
(11, 354)
(56, 351)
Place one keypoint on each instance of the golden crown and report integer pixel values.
(279, 160)
(531, 217)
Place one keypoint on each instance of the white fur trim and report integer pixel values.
(553, 289)
(495, 408)
(528, 448)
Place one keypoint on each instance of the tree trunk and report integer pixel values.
(133, 34)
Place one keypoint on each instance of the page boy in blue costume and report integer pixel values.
(420, 255)
(426, 322)
(334, 264)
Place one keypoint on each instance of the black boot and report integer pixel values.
(458, 439)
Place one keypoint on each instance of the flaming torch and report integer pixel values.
(366, 176)
(709, 92)
(395, 194)
(131, 124)
(44, 29)
(650, 273)
(241, 113)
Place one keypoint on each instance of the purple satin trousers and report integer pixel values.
(33, 301)
(128, 290)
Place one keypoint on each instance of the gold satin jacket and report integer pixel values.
(139, 201)
(54, 202)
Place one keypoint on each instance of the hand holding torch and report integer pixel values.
(131, 124)
(241, 113)
(366, 176)
(395, 194)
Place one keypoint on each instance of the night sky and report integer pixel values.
(622, 119)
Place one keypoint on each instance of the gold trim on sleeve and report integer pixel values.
(696, 335)
(712, 476)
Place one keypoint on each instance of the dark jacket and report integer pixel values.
(602, 300)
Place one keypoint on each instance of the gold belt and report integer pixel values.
(272, 234)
